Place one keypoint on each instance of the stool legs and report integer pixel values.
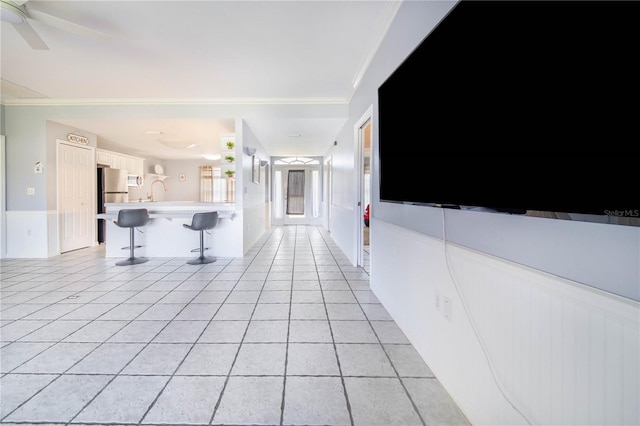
(202, 259)
(132, 260)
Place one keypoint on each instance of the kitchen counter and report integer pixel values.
(170, 209)
(165, 236)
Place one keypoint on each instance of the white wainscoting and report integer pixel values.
(27, 233)
(253, 225)
(562, 352)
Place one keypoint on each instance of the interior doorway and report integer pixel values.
(362, 131)
(297, 192)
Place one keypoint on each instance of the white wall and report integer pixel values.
(27, 232)
(252, 194)
(561, 351)
(3, 208)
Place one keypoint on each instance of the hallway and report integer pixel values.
(290, 334)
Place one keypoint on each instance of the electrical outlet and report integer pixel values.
(446, 302)
(31, 191)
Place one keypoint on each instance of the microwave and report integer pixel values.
(134, 180)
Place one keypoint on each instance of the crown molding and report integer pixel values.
(177, 101)
(388, 15)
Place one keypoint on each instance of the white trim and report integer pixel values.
(359, 169)
(27, 233)
(3, 195)
(389, 13)
(180, 101)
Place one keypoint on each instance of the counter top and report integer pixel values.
(157, 205)
(170, 209)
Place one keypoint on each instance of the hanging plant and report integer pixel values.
(230, 144)
(230, 173)
(229, 158)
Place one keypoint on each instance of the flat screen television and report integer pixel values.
(516, 107)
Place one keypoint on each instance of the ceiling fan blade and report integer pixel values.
(64, 25)
(31, 36)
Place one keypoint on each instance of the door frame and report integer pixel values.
(359, 170)
(92, 192)
(308, 217)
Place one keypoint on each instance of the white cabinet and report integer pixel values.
(119, 161)
(115, 160)
(103, 157)
(135, 166)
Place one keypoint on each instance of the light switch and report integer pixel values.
(31, 191)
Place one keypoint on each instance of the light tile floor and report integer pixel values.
(290, 334)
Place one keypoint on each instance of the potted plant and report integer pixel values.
(229, 158)
(230, 173)
(230, 144)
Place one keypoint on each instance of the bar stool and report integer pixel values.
(132, 219)
(202, 222)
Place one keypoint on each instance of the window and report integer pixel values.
(206, 184)
(295, 192)
(277, 194)
(215, 188)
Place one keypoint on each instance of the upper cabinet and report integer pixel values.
(103, 158)
(115, 160)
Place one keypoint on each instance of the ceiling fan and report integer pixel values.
(18, 14)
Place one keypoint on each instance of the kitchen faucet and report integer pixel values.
(153, 197)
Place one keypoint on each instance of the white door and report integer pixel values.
(300, 206)
(76, 174)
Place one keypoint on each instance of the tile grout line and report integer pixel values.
(286, 355)
(406, 391)
(73, 365)
(195, 341)
(333, 340)
(117, 374)
(224, 386)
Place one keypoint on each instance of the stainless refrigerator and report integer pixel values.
(112, 188)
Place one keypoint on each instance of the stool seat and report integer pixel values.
(132, 219)
(202, 222)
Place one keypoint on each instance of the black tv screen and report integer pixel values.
(518, 106)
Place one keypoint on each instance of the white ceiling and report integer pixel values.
(198, 52)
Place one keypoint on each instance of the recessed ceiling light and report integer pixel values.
(153, 132)
(294, 135)
(191, 146)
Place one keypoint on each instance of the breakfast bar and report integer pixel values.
(165, 236)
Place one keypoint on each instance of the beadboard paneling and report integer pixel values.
(562, 352)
